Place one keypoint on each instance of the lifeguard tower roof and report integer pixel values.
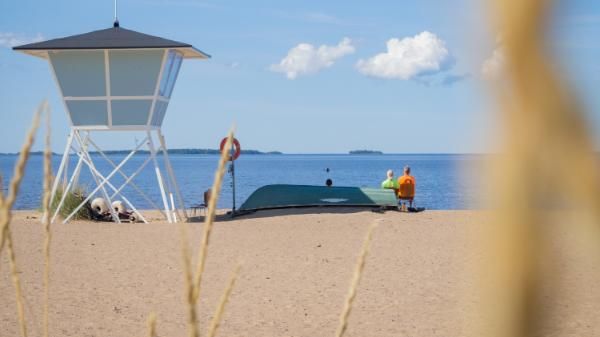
(111, 38)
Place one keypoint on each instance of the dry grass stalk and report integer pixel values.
(216, 320)
(540, 120)
(210, 217)
(6, 204)
(189, 280)
(152, 325)
(193, 281)
(14, 271)
(46, 221)
(358, 271)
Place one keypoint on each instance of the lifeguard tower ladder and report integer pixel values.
(115, 80)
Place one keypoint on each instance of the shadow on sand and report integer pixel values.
(268, 213)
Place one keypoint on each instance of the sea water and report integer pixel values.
(444, 181)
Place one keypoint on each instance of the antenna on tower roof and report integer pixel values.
(116, 23)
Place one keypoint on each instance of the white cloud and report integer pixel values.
(408, 58)
(9, 40)
(492, 67)
(306, 59)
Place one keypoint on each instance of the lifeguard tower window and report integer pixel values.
(88, 112)
(80, 73)
(170, 73)
(160, 109)
(134, 72)
(130, 112)
(130, 99)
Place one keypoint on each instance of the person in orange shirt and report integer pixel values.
(407, 185)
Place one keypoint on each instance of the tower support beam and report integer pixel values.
(79, 144)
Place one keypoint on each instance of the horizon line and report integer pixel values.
(274, 153)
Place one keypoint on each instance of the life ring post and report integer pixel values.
(236, 149)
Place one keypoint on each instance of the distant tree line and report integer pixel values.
(170, 151)
(191, 151)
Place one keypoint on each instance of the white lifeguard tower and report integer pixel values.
(116, 80)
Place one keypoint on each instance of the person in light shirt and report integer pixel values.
(390, 182)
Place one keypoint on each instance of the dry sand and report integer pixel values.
(106, 278)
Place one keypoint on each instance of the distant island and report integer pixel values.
(365, 152)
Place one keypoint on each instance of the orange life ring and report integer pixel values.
(236, 146)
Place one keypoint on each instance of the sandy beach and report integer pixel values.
(484, 112)
(106, 278)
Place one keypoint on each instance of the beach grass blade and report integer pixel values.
(151, 325)
(46, 220)
(358, 271)
(6, 204)
(548, 158)
(193, 280)
(216, 320)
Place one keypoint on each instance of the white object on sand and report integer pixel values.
(134, 217)
(99, 206)
(118, 206)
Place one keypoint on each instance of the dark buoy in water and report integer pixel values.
(327, 170)
(328, 182)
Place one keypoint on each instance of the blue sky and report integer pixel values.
(351, 93)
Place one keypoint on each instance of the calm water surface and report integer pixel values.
(443, 181)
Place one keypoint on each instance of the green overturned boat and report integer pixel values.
(289, 196)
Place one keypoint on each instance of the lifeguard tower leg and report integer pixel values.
(83, 145)
(73, 180)
(66, 190)
(159, 177)
(62, 167)
(171, 173)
